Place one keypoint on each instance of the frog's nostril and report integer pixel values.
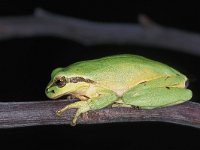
(186, 83)
(49, 91)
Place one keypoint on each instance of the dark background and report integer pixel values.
(26, 64)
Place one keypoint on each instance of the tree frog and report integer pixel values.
(119, 81)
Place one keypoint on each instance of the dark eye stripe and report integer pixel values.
(80, 79)
(62, 81)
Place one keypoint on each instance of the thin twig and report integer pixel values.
(20, 114)
(146, 32)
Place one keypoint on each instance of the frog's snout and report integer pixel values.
(49, 91)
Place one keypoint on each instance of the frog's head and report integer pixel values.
(63, 84)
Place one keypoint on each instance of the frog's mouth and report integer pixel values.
(52, 95)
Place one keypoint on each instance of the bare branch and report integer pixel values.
(20, 114)
(145, 33)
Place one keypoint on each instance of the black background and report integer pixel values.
(26, 64)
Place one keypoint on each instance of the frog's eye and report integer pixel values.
(61, 82)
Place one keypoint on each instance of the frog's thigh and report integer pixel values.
(156, 97)
(174, 81)
(106, 98)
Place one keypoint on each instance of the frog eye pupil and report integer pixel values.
(61, 82)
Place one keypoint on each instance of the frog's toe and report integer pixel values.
(73, 123)
(120, 105)
(78, 113)
(136, 107)
(59, 113)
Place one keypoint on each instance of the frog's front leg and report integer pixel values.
(105, 98)
(82, 106)
(160, 92)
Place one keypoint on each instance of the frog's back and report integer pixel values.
(118, 64)
(122, 71)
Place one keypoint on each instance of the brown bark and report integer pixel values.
(20, 114)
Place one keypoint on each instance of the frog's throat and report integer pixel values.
(58, 96)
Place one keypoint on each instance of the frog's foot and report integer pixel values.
(82, 106)
(136, 107)
(120, 105)
(125, 105)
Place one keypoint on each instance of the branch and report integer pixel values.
(20, 114)
(145, 33)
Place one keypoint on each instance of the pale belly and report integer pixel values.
(120, 86)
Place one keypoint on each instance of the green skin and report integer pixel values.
(121, 81)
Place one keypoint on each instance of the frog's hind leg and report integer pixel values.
(156, 97)
(120, 103)
(160, 92)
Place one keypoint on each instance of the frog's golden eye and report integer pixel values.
(60, 81)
